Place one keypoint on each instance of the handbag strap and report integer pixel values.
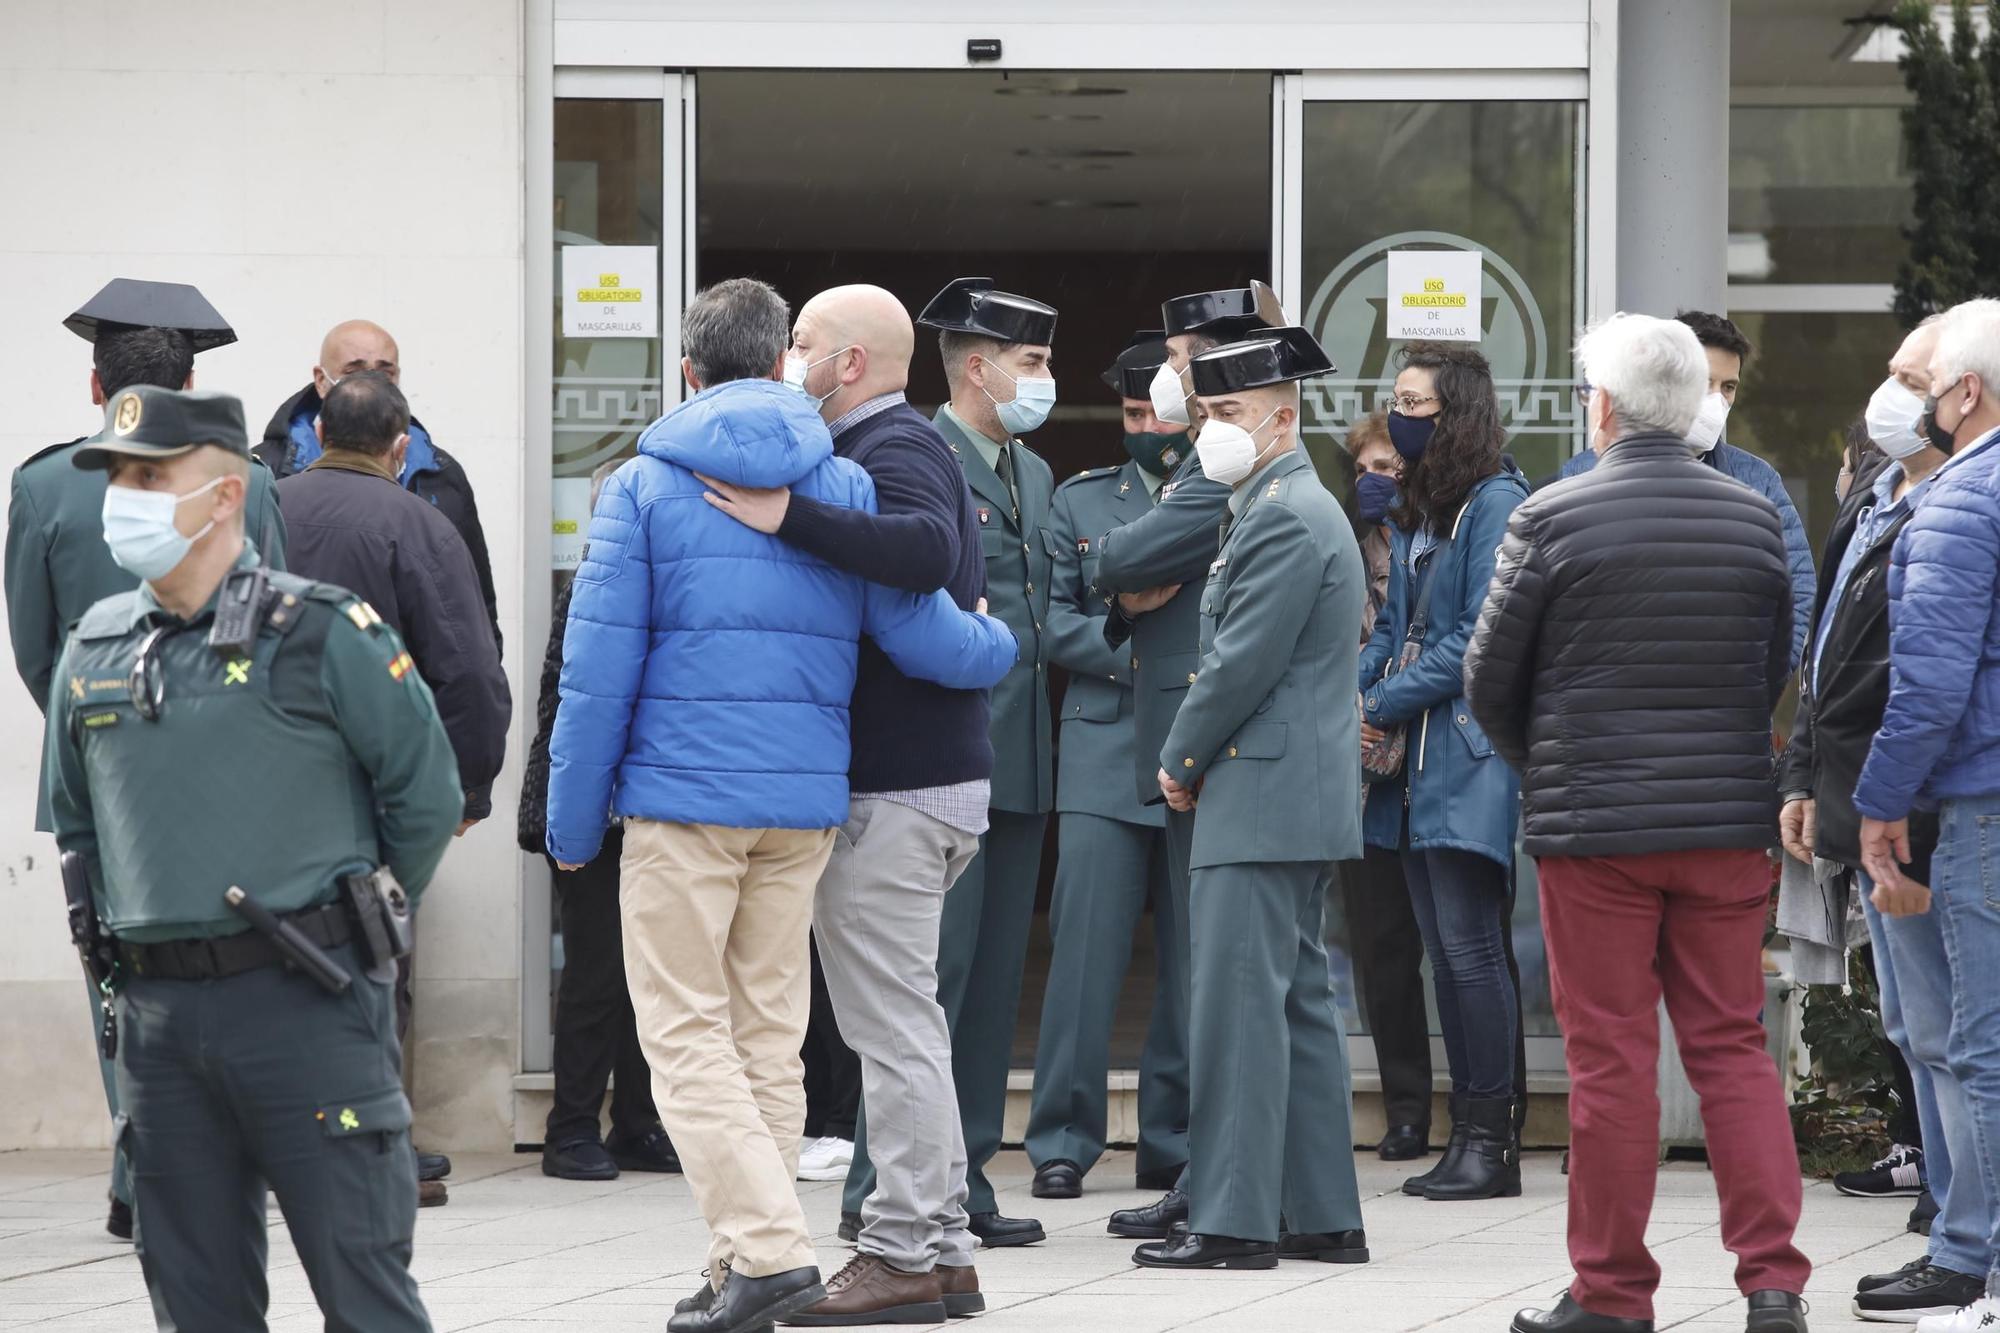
(1420, 621)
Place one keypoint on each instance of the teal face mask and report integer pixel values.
(1159, 452)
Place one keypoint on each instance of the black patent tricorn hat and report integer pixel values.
(971, 305)
(136, 303)
(1229, 314)
(1131, 375)
(1280, 357)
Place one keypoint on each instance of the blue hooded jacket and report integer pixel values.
(1940, 735)
(1761, 477)
(707, 667)
(1460, 794)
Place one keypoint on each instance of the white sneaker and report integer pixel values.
(1982, 1316)
(826, 1159)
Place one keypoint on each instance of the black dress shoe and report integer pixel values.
(749, 1304)
(1569, 1317)
(579, 1159)
(1404, 1143)
(1923, 1213)
(849, 1229)
(1190, 1249)
(119, 1222)
(703, 1298)
(1776, 1312)
(1152, 1222)
(433, 1166)
(1327, 1247)
(650, 1151)
(1058, 1180)
(996, 1232)
(1159, 1178)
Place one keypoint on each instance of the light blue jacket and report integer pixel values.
(707, 667)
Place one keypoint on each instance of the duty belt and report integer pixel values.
(229, 955)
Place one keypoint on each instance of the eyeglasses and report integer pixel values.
(1407, 403)
(148, 681)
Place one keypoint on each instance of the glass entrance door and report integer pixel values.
(1497, 171)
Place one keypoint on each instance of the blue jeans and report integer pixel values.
(1914, 976)
(1461, 902)
(1965, 897)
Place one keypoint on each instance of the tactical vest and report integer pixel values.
(244, 779)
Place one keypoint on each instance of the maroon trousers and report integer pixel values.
(1624, 932)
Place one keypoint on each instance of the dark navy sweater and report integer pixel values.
(908, 734)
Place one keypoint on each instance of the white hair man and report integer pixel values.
(1636, 636)
(1939, 744)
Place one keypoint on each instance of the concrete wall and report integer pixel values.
(301, 164)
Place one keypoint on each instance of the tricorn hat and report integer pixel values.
(145, 421)
(971, 305)
(1278, 357)
(136, 303)
(1229, 314)
(1131, 375)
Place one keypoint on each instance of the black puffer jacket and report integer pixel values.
(1637, 633)
(1841, 711)
(532, 825)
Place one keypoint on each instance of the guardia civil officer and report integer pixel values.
(57, 562)
(1141, 568)
(997, 363)
(1112, 848)
(1263, 750)
(251, 1016)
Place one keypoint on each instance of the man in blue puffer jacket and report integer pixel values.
(707, 672)
(1728, 352)
(1939, 743)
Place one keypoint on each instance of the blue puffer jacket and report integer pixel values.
(1940, 737)
(1460, 793)
(707, 667)
(1762, 478)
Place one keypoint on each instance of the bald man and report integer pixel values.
(919, 779)
(291, 445)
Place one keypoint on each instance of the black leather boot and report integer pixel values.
(1452, 1150)
(1489, 1167)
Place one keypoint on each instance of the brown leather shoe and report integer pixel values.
(870, 1290)
(432, 1194)
(960, 1285)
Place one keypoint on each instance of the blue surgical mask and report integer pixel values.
(1374, 496)
(1030, 405)
(1411, 435)
(139, 529)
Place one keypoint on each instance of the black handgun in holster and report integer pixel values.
(380, 912)
(96, 947)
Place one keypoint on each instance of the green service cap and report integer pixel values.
(148, 422)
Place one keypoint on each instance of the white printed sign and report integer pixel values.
(570, 501)
(611, 291)
(1435, 294)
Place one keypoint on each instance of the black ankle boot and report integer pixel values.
(1490, 1165)
(1453, 1149)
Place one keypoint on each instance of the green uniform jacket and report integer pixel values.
(1173, 543)
(1019, 550)
(318, 754)
(1269, 726)
(58, 566)
(1098, 728)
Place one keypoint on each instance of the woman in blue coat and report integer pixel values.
(1450, 809)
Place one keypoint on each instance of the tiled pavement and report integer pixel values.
(515, 1252)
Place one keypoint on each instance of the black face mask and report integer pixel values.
(1942, 440)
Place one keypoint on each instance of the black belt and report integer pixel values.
(228, 955)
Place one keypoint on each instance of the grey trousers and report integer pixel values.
(876, 921)
(1269, 1130)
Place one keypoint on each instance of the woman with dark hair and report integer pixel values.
(1450, 805)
